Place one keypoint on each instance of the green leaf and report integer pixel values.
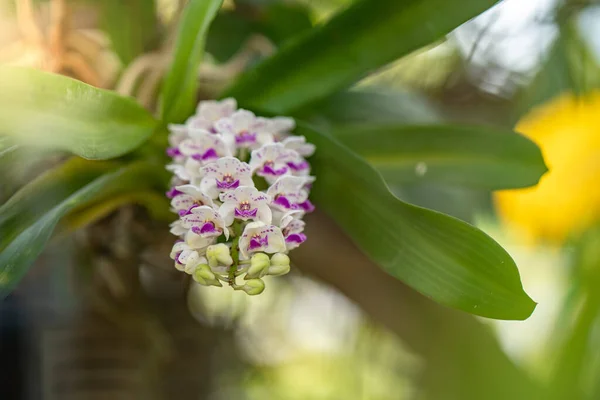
(281, 21)
(46, 192)
(19, 165)
(366, 107)
(156, 204)
(54, 111)
(227, 34)
(29, 241)
(365, 36)
(181, 81)
(445, 259)
(231, 29)
(474, 156)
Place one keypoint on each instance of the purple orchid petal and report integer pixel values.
(207, 155)
(227, 185)
(246, 213)
(208, 227)
(269, 170)
(245, 137)
(177, 260)
(258, 242)
(171, 193)
(188, 211)
(301, 166)
(173, 152)
(297, 238)
(285, 203)
(307, 206)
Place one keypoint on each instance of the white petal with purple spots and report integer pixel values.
(190, 196)
(245, 203)
(245, 130)
(206, 222)
(259, 237)
(271, 161)
(225, 174)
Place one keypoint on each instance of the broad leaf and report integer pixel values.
(54, 111)
(475, 156)
(29, 241)
(181, 81)
(366, 107)
(444, 258)
(353, 43)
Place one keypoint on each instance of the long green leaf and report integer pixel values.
(181, 81)
(29, 242)
(367, 107)
(54, 111)
(475, 156)
(46, 192)
(20, 254)
(442, 257)
(367, 35)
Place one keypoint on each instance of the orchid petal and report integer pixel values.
(258, 236)
(299, 144)
(199, 242)
(213, 110)
(200, 216)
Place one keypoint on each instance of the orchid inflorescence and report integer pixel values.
(240, 188)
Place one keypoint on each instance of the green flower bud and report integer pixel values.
(204, 276)
(218, 254)
(259, 263)
(280, 264)
(254, 286)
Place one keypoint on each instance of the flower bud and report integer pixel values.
(254, 286)
(280, 264)
(204, 276)
(190, 268)
(259, 264)
(218, 254)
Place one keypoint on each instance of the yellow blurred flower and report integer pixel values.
(567, 199)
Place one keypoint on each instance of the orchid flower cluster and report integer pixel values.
(240, 188)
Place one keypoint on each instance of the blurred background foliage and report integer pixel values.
(102, 316)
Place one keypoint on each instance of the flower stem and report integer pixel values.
(243, 154)
(235, 253)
